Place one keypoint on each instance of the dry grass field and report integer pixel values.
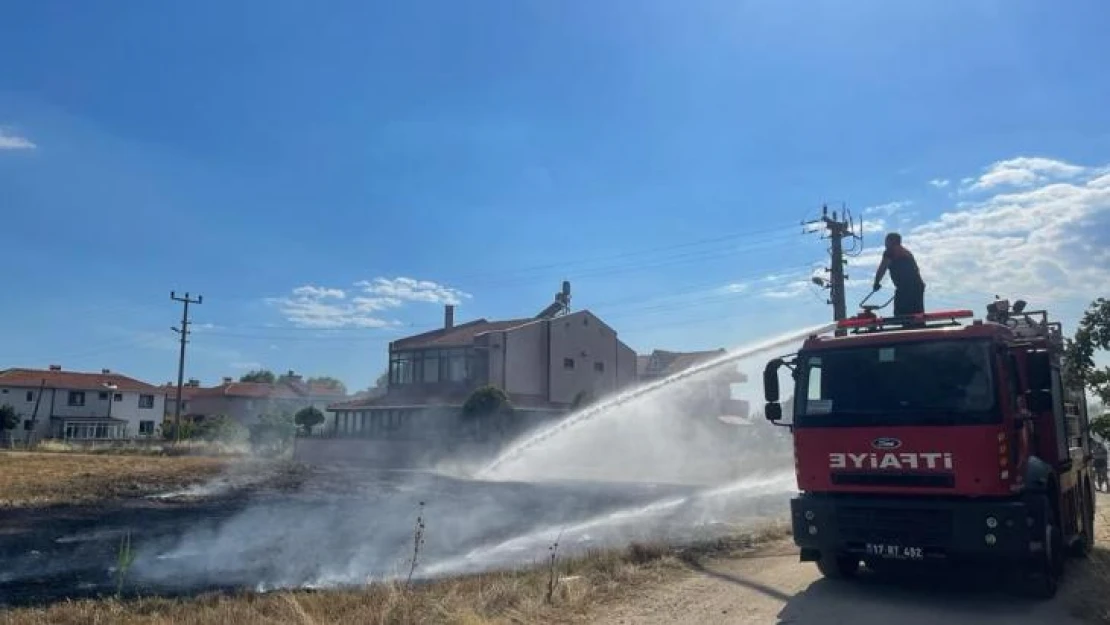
(49, 478)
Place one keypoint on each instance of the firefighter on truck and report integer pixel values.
(940, 438)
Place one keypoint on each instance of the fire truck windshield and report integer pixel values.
(941, 382)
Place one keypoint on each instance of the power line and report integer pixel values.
(640, 266)
(651, 250)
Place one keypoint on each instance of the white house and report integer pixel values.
(72, 405)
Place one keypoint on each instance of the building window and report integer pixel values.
(118, 397)
(146, 401)
(457, 367)
(146, 428)
(568, 363)
(28, 425)
(76, 398)
(30, 396)
(102, 396)
(401, 368)
(599, 366)
(431, 366)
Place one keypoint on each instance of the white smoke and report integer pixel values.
(634, 468)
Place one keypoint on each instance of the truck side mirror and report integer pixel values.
(771, 381)
(773, 411)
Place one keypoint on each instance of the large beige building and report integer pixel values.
(546, 363)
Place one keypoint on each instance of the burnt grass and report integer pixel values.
(62, 552)
(68, 551)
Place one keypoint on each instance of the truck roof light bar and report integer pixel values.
(870, 320)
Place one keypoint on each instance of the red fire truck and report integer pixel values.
(936, 437)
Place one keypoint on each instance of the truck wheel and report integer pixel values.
(837, 566)
(1044, 572)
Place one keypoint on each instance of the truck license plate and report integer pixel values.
(895, 552)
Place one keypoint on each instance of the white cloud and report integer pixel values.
(785, 285)
(939, 183)
(247, 365)
(871, 226)
(323, 307)
(1049, 240)
(1023, 171)
(318, 292)
(736, 288)
(887, 209)
(9, 141)
(410, 290)
(788, 290)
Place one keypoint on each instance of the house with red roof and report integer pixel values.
(714, 387)
(545, 364)
(246, 401)
(77, 405)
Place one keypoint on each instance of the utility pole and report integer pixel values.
(838, 228)
(184, 332)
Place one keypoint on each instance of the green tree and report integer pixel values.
(260, 375)
(486, 401)
(381, 382)
(221, 428)
(1100, 426)
(329, 382)
(169, 429)
(9, 418)
(1091, 336)
(308, 418)
(273, 432)
(488, 410)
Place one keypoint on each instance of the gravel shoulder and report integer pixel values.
(772, 586)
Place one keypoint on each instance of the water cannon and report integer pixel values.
(999, 310)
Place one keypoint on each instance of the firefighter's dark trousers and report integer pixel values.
(909, 300)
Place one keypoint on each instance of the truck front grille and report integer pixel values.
(909, 480)
(916, 527)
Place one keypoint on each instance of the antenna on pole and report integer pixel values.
(838, 227)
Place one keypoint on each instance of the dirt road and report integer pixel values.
(778, 589)
(773, 587)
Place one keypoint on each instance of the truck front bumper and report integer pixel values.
(913, 529)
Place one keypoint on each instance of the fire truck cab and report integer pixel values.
(937, 437)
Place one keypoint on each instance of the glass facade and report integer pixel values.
(432, 366)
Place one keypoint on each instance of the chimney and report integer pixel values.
(292, 376)
(227, 380)
(55, 367)
(105, 371)
(193, 382)
(448, 316)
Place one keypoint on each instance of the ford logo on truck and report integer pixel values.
(886, 443)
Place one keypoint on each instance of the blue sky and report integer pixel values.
(327, 177)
